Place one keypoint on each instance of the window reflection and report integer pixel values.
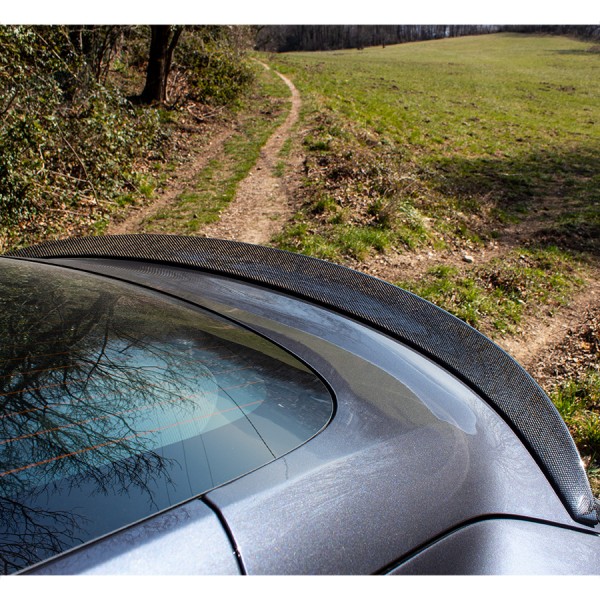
(117, 403)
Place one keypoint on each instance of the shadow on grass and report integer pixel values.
(560, 188)
(595, 49)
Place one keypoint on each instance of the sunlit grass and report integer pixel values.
(495, 296)
(490, 125)
(471, 94)
(217, 183)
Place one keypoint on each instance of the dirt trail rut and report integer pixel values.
(182, 181)
(261, 205)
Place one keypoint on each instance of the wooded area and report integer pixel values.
(82, 105)
(289, 38)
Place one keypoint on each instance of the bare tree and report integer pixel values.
(98, 44)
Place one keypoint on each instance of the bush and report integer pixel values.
(70, 140)
(213, 58)
(67, 142)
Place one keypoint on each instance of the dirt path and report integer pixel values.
(262, 204)
(183, 179)
(543, 333)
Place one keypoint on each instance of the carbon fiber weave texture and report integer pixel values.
(472, 357)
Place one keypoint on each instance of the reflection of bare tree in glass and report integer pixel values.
(49, 533)
(76, 380)
(115, 404)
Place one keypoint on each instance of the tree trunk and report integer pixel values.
(162, 45)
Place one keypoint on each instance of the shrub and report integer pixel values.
(213, 58)
(67, 143)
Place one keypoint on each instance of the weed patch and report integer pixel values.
(578, 402)
(356, 196)
(494, 297)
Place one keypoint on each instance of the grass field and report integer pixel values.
(495, 126)
(453, 144)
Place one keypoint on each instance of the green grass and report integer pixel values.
(487, 125)
(497, 295)
(286, 148)
(283, 155)
(216, 184)
(578, 402)
(341, 240)
(461, 95)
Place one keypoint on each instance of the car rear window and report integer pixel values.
(119, 402)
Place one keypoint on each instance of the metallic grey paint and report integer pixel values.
(187, 540)
(507, 547)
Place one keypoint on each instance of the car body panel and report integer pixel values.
(415, 454)
(507, 547)
(186, 540)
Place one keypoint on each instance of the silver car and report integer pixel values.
(193, 406)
